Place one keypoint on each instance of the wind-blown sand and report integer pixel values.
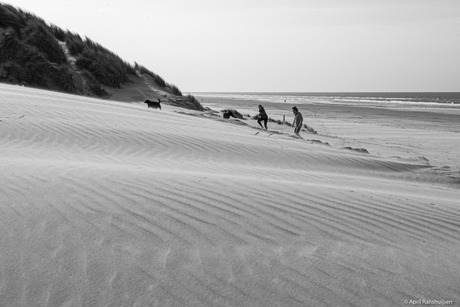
(106, 203)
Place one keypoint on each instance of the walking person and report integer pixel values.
(298, 120)
(262, 117)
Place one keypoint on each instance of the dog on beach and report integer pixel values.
(153, 104)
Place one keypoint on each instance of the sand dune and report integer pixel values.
(106, 203)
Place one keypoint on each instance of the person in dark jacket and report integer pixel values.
(262, 117)
(298, 120)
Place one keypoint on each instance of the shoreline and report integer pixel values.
(406, 131)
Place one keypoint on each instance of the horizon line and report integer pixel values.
(258, 92)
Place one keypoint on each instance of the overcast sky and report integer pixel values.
(275, 45)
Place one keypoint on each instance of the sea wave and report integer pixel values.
(452, 99)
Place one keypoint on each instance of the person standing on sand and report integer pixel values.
(298, 120)
(262, 117)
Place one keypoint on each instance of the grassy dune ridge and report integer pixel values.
(30, 54)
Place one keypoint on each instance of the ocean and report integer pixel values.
(364, 98)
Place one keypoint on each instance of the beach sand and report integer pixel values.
(106, 203)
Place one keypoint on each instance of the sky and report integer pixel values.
(275, 45)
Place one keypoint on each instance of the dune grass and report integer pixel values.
(30, 54)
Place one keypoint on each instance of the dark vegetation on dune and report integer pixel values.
(31, 54)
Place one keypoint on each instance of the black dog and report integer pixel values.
(152, 104)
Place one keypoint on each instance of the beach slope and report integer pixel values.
(106, 203)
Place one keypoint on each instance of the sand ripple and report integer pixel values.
(104, 203)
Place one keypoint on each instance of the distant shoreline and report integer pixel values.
(351, 98)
